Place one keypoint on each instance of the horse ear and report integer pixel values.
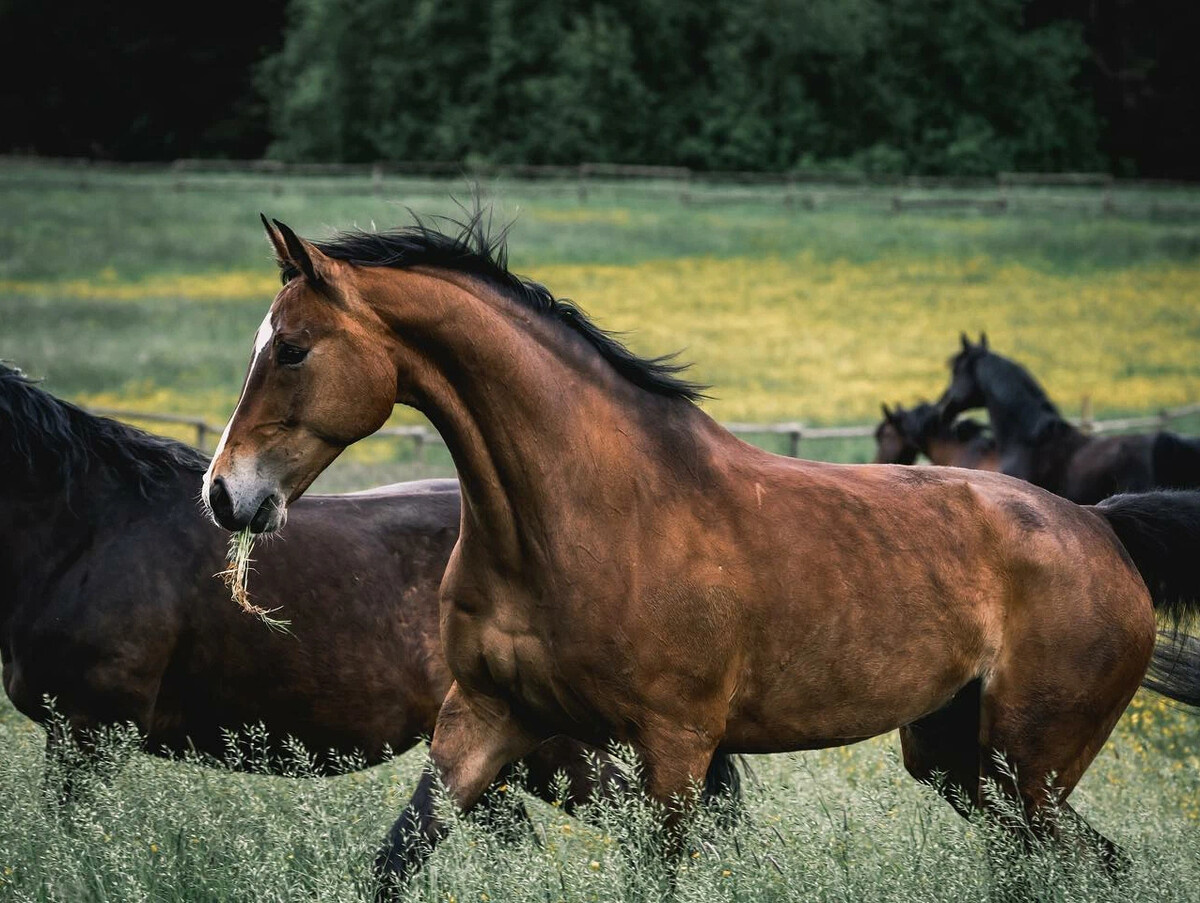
(303, 256)
(281, 254)
(966, 343)
(983, 340)
(887, 412)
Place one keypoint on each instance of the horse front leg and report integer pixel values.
(676, 761)
(472, 741)
(77, 758)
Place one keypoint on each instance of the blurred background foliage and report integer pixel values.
(886, 86)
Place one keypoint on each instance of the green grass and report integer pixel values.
(837, 825)
(133, 294)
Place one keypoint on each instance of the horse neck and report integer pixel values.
(943, 450)
(537, 422)
(1017, 406)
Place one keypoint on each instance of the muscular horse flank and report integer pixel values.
(629, 570)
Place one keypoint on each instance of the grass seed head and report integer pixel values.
(236, 576)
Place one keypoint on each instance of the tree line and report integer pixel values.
(887, 86)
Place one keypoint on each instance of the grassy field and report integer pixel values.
(132, 294)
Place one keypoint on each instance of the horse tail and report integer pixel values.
(1175, 669)
(1175, 461)
(1161, 532)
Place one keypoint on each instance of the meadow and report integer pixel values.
(132, 294)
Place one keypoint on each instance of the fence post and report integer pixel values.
(201, 435)
(584, 169)
(1085, 414)
(419, 447)
(794, 443)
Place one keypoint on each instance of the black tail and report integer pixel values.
(1161, 532)
(1175, 669)
(1176, 462)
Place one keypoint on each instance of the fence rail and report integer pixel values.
(794, 432)
(803, 189)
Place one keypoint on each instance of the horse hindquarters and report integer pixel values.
(1078, 632)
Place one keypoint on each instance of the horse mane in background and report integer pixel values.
(49, 439)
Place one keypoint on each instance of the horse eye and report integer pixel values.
(290, 355)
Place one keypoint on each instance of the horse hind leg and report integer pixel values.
(952, 749)
(1044, 722)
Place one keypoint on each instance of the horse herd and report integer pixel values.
(1028, 437)
(611, 565)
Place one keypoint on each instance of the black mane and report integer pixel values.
(1014, 389)
(472, 248)
(56, 441)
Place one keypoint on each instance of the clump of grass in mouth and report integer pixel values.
(236, 576)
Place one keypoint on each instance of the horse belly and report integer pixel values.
(813, 716)
(859, 671)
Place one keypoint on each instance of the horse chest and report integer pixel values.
(493, 653)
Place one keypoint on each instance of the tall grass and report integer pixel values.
(839, 825)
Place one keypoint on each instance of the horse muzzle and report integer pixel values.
(262, 512)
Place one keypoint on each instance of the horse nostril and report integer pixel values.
(220, 502)
(264, 517)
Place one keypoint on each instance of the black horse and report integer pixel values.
(109, 605)
(906, 432)
(1036, 443)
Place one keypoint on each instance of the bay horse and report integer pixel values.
(1036, 443)
(906, 432)
(109, 605)
(628, 569)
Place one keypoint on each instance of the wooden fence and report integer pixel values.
(1093, 194)
(794, 433)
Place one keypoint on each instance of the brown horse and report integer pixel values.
(109, 605)
(905, 433)
(628, 569)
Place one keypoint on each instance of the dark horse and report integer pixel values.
(1036, 443)
(109, 604)
(906, 432)
(628, 569)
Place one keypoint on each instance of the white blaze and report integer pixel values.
(263, 336)
(262, 339)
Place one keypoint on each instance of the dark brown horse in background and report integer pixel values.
(1036, 443)
(627, 569)
(109, 605)
(906, 432)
